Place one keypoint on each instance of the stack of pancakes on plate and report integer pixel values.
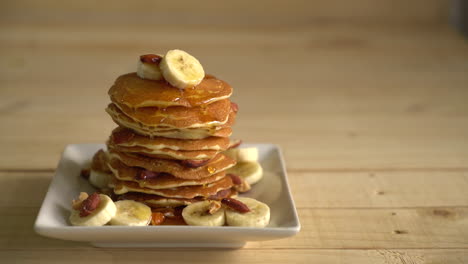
(167, 149)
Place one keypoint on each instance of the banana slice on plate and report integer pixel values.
(250, 171)
(98, 217)
(243, 154)
(232, 153)
(181, 69)
(99, 179)
(247, 154)
(131, 213)
(258, 216)
(197, 214)
(148, 67)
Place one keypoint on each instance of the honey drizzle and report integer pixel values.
(211, 169)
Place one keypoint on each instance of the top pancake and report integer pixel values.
(135, 92)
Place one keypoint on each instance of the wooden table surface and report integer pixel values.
(369, 102)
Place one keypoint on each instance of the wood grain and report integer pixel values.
(366, 98)
(322, 228)
(323, 190)
(419, 228)
(76, 255)
(205, 12)
(383, 189)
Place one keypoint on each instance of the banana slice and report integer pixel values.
(98, 217)
(181, 69)
(197, 214)
(247, 154)
(259, 215)
(99, 179)
(232, 153)
(146, 69)
(243, 154)
(250, 171)
(131, 213)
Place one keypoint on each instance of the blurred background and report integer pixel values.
(331, 81)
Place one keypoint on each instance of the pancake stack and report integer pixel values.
(167, 148)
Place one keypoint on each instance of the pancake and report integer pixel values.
(219, 163)
(99, 162)
(157, 201)
(121, 187)
(171, 154)
(182, 133)
(214, 114)
(136, 92)
(125, 173)
(127, 138)
(166, 153)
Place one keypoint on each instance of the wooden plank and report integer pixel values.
(76, 255)
(208, 12)
(379, 228)
(321, 228)
(334, 227)
(24, 189)
(321, 190)
(379, 189)
(386, 110)
(371, 143)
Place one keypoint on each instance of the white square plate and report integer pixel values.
(273, 189)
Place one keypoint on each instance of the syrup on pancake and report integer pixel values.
(131, 90)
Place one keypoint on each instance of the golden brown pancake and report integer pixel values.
(171, 154)
(166, 153)
(121, 119)
(125, 173)
(135, 92)
(219, 163)
(157, 201)
(121, 187)
(125, 137)
(99, 162)
(214, 114)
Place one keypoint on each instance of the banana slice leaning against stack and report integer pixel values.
(250, 171)
(247, 165)
(243, 154)
(99, 179)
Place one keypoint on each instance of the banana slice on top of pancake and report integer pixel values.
(181, 69)
(148, 67)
